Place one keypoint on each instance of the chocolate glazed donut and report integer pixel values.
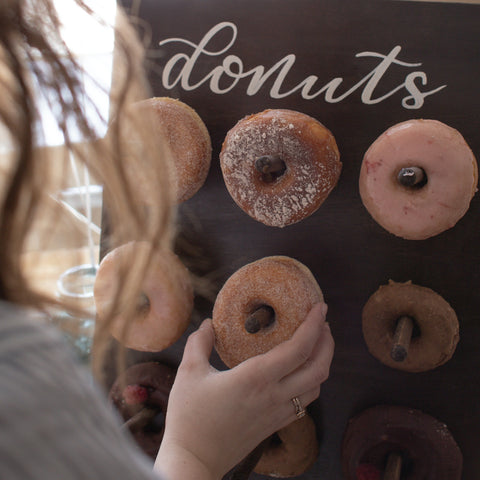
(406, 443)
(140, 395)
(427, 322)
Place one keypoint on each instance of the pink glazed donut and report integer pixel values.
(165, 304)
(417, 179)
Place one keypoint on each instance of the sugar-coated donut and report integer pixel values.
(436, 331)
(163, 313)
(417, 179)
(426, 448)
(276, 292)
(279, 166)
(291, 451)
(260, 306)
(188, 141)
(140, 394)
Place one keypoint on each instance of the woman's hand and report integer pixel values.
(216, 418)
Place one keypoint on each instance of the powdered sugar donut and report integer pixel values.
(279, 166)
(418, 178)
(163, 312)
(261, 305)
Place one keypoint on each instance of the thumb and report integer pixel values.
(199, 345)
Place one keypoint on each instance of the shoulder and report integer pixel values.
(50, 408)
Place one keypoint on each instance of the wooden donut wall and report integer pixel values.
(393, 60)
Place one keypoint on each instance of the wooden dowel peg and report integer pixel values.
(402, 339)
(263, 317)
(140, 419)
(414, 177)
(393, 469)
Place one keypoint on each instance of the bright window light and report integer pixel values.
(92, 43)
(82, 33)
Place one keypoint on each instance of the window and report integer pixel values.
(92, 44)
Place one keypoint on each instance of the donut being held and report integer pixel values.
(280, 165)
(436, 329)
(291, 451)
(164, 309)
(187, 139)
(261, 305)
(140, 395)
(426, 448)
(417, 178)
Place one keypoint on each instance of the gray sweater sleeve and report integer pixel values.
(54, 423)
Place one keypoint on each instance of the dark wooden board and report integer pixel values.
(349, 254)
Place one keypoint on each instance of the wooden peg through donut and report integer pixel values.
(393, 468)
(412, 177)
(402, 338)
(140, 419)
(263, 317)
(271, 167)
(392, 442)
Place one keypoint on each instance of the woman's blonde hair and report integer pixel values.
(34, 60)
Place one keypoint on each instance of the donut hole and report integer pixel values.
(143, 304)
(157, 424)
(412, 178)
(407, 467)
(378, 455)
(270, 167)
(275, 442)
(259, 318)
(416, 332)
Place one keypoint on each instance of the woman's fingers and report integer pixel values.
(291, 354)
(314, 371)
(303, 401)
(207, 406)
(199, 346)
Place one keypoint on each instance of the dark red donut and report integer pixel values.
(140, 395)
(427, 448)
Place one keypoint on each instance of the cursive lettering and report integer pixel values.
(181, 68)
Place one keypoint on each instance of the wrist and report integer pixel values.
(174, 461)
